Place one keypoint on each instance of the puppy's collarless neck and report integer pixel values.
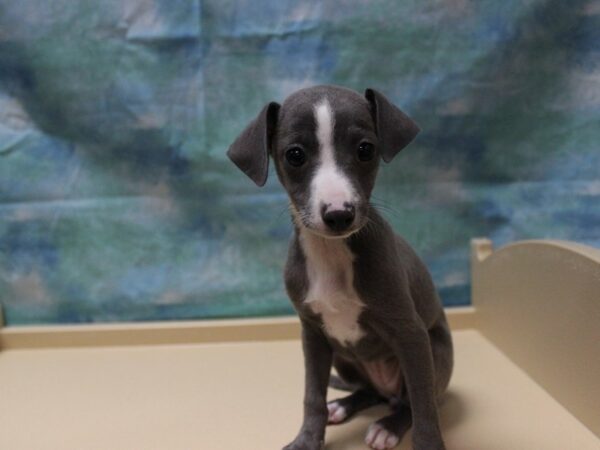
(308, 239)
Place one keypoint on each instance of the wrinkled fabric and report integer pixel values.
(117, 201)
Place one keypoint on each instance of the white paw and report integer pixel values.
(337, 413)
(380, 439)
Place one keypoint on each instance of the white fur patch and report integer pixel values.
(379, 438)
(331, 290)
(329, 186)
(336, 412)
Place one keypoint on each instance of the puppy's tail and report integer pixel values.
(336, 382)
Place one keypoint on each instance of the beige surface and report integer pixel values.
(539, 302)
(149, 333)
(173, 332)
(247, 396)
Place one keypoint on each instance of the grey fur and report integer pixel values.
(403, 320)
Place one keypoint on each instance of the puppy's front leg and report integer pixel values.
(413, 349)
(317, 363)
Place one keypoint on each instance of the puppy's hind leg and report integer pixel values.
(342, 409)
(387, 433)
(336, 382)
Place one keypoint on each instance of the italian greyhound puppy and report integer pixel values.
(366, 302)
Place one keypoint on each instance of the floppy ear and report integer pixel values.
(250, 151)
(395, 129)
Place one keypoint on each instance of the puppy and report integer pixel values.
(367, 304)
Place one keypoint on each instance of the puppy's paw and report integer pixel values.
(337, 413)
(380, 438)
(430, 444)
(302, 446)
(304, 441)
(429, 439)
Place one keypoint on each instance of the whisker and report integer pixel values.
(386, 209)
(382, 203)
(368, 226)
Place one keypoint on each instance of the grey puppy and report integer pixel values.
(367, 304)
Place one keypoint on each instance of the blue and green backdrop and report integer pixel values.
(117, 201)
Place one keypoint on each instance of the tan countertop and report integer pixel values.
(248, 396)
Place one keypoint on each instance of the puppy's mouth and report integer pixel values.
(306, 222)
(331, 234)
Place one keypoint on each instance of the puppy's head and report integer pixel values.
(326, 142)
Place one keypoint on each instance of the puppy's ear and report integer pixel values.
(395, 129)
(250, 151)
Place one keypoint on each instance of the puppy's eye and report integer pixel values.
(295, 156)
(366, 151)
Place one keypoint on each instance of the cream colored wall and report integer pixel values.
(539, 302)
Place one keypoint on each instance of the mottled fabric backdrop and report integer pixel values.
(117, 201)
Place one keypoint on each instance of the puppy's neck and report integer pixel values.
(317, 244)
(331, 293)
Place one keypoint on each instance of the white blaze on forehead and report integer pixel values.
(329, 186)
(325, 125)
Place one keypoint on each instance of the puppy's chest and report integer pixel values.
(331, 293)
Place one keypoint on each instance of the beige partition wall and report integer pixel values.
(539, 302)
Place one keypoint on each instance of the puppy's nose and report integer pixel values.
(339, 219)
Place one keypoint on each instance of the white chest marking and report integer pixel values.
(331, 290)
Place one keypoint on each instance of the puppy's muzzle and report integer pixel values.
(338, 220)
